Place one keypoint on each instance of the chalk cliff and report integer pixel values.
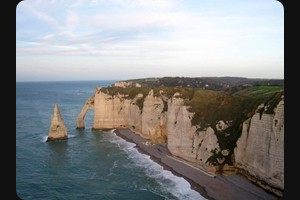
(183, 138)
(58, 130)
(260, 150)
(211, 144)
(161, 119)
(89, 105)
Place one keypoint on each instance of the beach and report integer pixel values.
(218, 187)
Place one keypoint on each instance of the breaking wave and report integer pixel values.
(45, 137)
(170, 183)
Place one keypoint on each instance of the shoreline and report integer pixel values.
(214, 187)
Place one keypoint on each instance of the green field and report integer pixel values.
(259, 91)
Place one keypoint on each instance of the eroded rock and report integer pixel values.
(58, 130)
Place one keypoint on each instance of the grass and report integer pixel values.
(259, 91)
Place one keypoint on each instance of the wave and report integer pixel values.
(115, 165)
(44, 138)
(110, 131)
(111, 170)
(177, 186)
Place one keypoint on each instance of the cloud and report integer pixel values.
(150, 33)
(77, 3)
(72, 20)
(137, 20)
(142, 4)
(162, 4)
(147, 34)
(40, 15)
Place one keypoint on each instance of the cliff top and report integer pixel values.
(211, 83)
(233, 105)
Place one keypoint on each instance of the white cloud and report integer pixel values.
(141, 21)
(77, 3)
(40, 15)
(72, 20)
(149, 33)
(148, 3)
(162, 4)
(157, 3)
(130, 4)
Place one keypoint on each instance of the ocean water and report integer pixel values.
(90, 164)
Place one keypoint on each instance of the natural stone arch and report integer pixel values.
(89, 105)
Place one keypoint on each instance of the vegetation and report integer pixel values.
(165, 109)
(211, 83)
(129, 93)
(257, 91)
(236, 108)
(213, 159)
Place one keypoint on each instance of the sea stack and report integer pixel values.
(58, 130)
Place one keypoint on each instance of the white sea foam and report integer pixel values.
(115, 165)
(111, 131)
(175, 185)
(44, 138)
(111, 170)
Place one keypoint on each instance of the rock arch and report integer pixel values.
(89, 105)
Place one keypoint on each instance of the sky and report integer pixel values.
(59, 40)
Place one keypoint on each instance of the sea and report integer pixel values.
(90, 164)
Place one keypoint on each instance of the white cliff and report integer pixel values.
(58, 130)
(171, 125)
(115, 112)
(153, 118)
(89, 105)
(168, 120)
(260, 149)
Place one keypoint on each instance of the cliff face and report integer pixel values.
(184, 140)
(161, 120)
(115, 111)
(58, 130)
(118, 111)
(260, 149)
(89, 105)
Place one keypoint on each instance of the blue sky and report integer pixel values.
(125, 39)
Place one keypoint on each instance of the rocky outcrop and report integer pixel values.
(89, 105)
(125, 84)
(58, 130)
(260, 150)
